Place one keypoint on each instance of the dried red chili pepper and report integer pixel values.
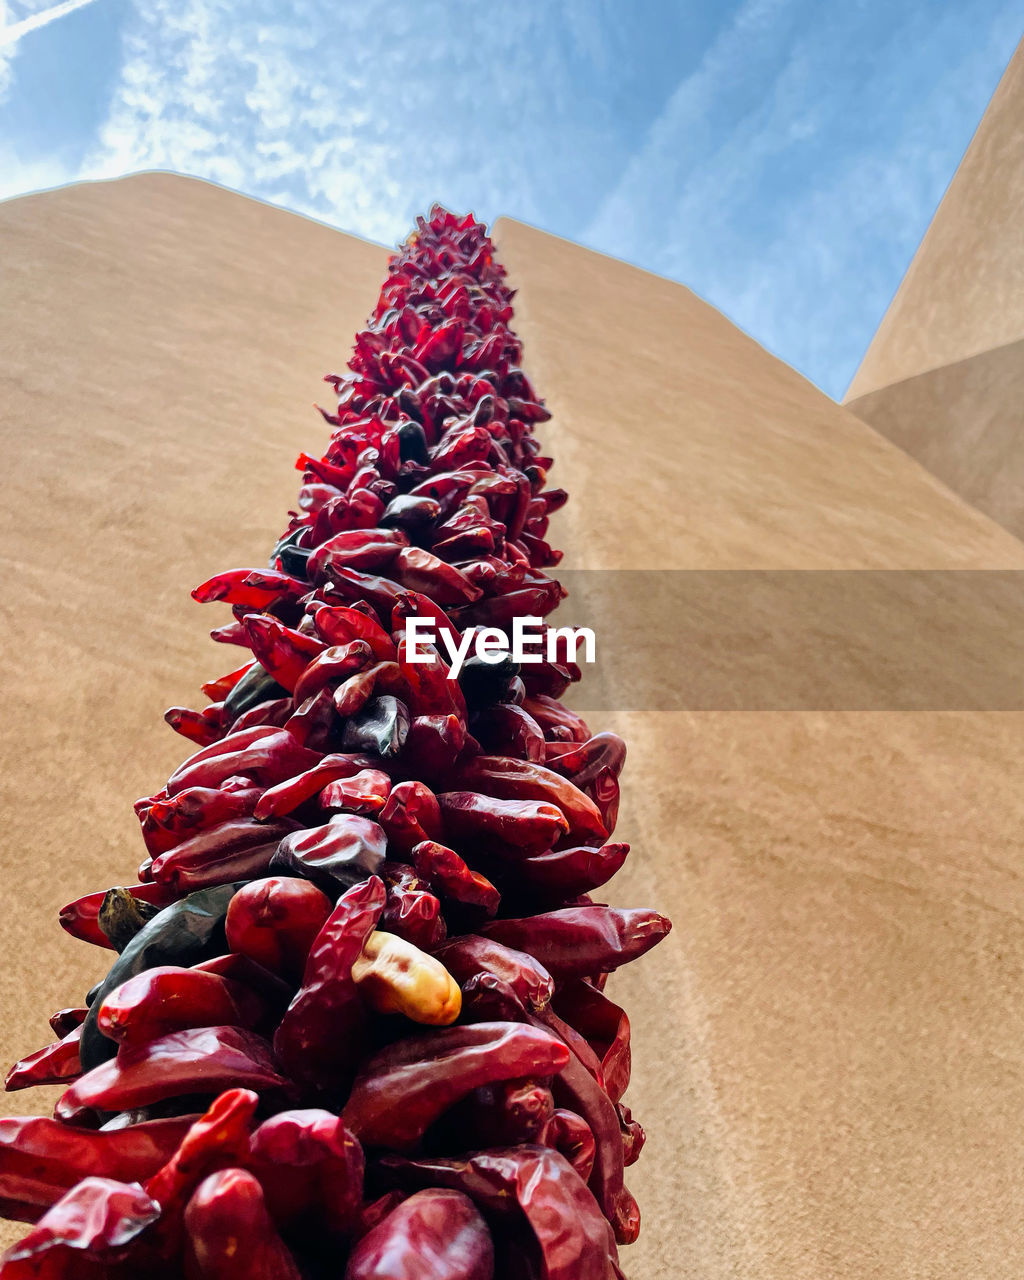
(434, 1235)
(404, 1088)
(170, 998)
(449, 876)
(510, 779)
(230, 1233)
(310, 1168)
(91, 1226)
(287, 796)
(579, 941)
(318, 1038)
(53, 1064)
(572, 1238)
(200, 1060)
(274, 922)
(41, 1159)
(527, 826)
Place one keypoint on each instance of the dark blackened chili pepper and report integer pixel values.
(434, 1235)
(81, 917)
(380, 726)
(230, 1233)
(122, 915)
(187, 931)
(172, 821)
(339, 854)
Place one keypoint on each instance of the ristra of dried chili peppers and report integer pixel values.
(356, 1025)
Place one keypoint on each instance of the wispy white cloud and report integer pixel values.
(791, 176)
(12, 32)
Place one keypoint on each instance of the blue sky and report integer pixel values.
(781, 157)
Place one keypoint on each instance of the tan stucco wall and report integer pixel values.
(829, 1053)
(964, 290)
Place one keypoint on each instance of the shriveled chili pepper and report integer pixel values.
(255, 588)
(364, 549)
(470, 955)
(310, 1168)
(65, 1020)
(527, 826)
(410, 816)
(200, 1060)
(573, 1239)
(573, 871)
(510, 779)
(339, 854)
(185, 932)
(95, 1222)
(579, 941)
(41, 1159)
(559, 723)
(288, 795)
(263, 753)
(234, 850)
(449, 876)
(275, 920)
(218, 1138)
(434, 1235)
(230, 1233)
(170, 822)
(331, 667)
(605, 1026)
(317, 1040)
(403, 1089)
(411, 910)
(339, 625)
(570, 1135)
(365, 792)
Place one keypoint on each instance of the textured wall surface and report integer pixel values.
(828, 1049)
